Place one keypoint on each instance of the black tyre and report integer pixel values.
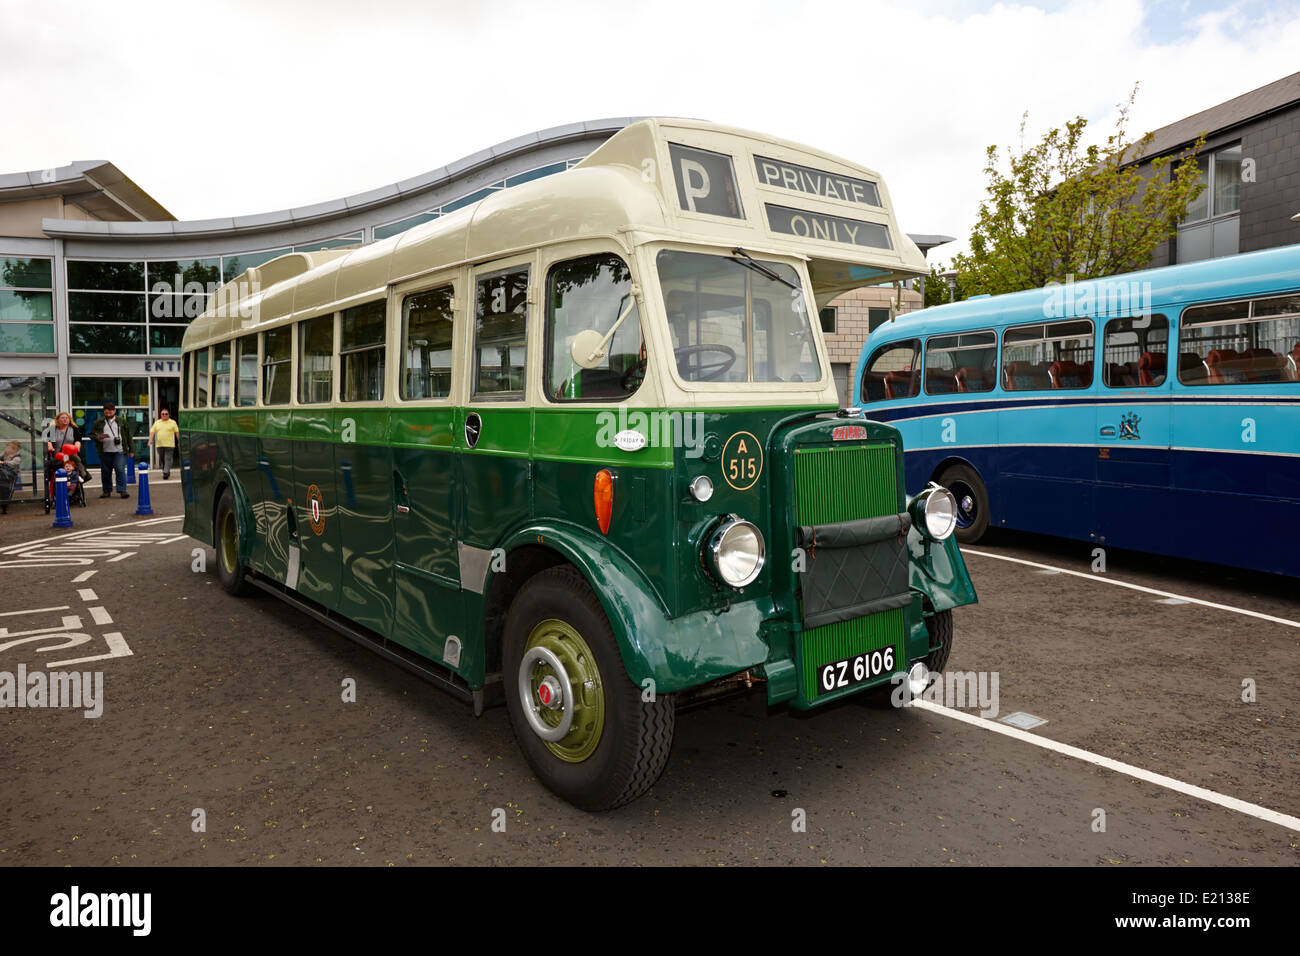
(941, 630)
(581, 723)
(225, 535)
(972, 501)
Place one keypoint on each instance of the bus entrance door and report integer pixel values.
(1132, 497)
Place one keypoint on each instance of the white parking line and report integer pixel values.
(86, 594)
(35, 610)
(101, 616)
(83, 576)
(122, 557)
(1107, 579)
(1160, 780)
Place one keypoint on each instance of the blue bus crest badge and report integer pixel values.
(1128, 426)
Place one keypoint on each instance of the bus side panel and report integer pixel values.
(201, 452)
(1132, 499)
(1046, 469)
(496, 475)
(314, 477)
(242, 449)
(271, 511)
(365, 500)
(428, 604)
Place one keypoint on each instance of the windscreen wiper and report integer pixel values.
(748, 261)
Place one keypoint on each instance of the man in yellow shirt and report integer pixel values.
(165, 434)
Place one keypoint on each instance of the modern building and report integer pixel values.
(98, 281)
(1250, 165)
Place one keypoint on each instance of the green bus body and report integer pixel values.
(526, 489)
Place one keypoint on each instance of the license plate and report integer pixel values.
(855, 670)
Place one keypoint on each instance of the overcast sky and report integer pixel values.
(246, 106)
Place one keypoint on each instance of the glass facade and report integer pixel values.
(26, 306)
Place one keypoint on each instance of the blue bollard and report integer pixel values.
(142, 495)
(62, 515)
(130, 469)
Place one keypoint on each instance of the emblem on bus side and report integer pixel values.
(629, 440)
(316, 513)
(1128, 426)
(473, 428)
(742, 460)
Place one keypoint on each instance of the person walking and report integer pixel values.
(165, 435)
(114, 438)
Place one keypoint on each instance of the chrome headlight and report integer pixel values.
(934, 512)
(736, 550)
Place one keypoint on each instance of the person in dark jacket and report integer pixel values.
(114, 438)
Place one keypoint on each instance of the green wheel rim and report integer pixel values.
(229, 542)
(584, 691)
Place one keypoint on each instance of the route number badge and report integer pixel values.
(316, 505)
(742, 460)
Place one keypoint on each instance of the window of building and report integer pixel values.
(966, 362)
(316, 360)
(1241, 343)
(131, 395)
(876, 318)
(26, 306)
(500, 333)
(246, 377)
(234, 266)
(427, 323)
(277, 361)
(893, 371)
(1135, 352)
(1052, 355)
(363, 345)
(594, 292)
(1220, 172)
(828, 316)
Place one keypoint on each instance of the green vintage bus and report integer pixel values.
(578, 447)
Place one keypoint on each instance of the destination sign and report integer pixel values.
(815, 182)
(816, 225)
(706, 181)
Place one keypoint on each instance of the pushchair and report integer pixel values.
(76, 489)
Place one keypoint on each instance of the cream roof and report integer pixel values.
(617, 192)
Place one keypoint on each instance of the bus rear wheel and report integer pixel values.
(226, 538)
(580, 722)
(972, 502)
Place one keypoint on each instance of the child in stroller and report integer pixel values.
(11, 466)
(61, 462)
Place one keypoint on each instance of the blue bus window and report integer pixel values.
(966, 362)
(1135, 351)
(1241, 343)
(1051, 355)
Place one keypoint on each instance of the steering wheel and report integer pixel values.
(634, 376)
(705, 371)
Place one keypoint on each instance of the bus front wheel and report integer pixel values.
(972, 502)
(587, 731)
(226, 538)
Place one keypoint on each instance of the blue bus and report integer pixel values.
(1156, 410)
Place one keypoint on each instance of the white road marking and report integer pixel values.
(1107, 579)
(122, 557)
(57, 538)
(101, 616)
(35, 610)
(117, 647)
(1160, 780)
(86, 594)
(179, 537)
(83, 576)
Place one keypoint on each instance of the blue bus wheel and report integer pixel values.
(972, 501)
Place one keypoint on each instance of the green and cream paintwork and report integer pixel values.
(409, 517)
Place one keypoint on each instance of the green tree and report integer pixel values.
(937, 290)
(1062, 208)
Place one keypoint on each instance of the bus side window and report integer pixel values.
(427, 321)
(593, 292)
(1135, 352)
(187, 399)
(201, 380)
(362, 347)
(1239, 343)
(1055, 355)
(277, 363)
(246, 371)
(316, 359)
(500, 333)
(966, 362)
(893, 371)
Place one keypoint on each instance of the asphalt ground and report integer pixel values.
(229, 712)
